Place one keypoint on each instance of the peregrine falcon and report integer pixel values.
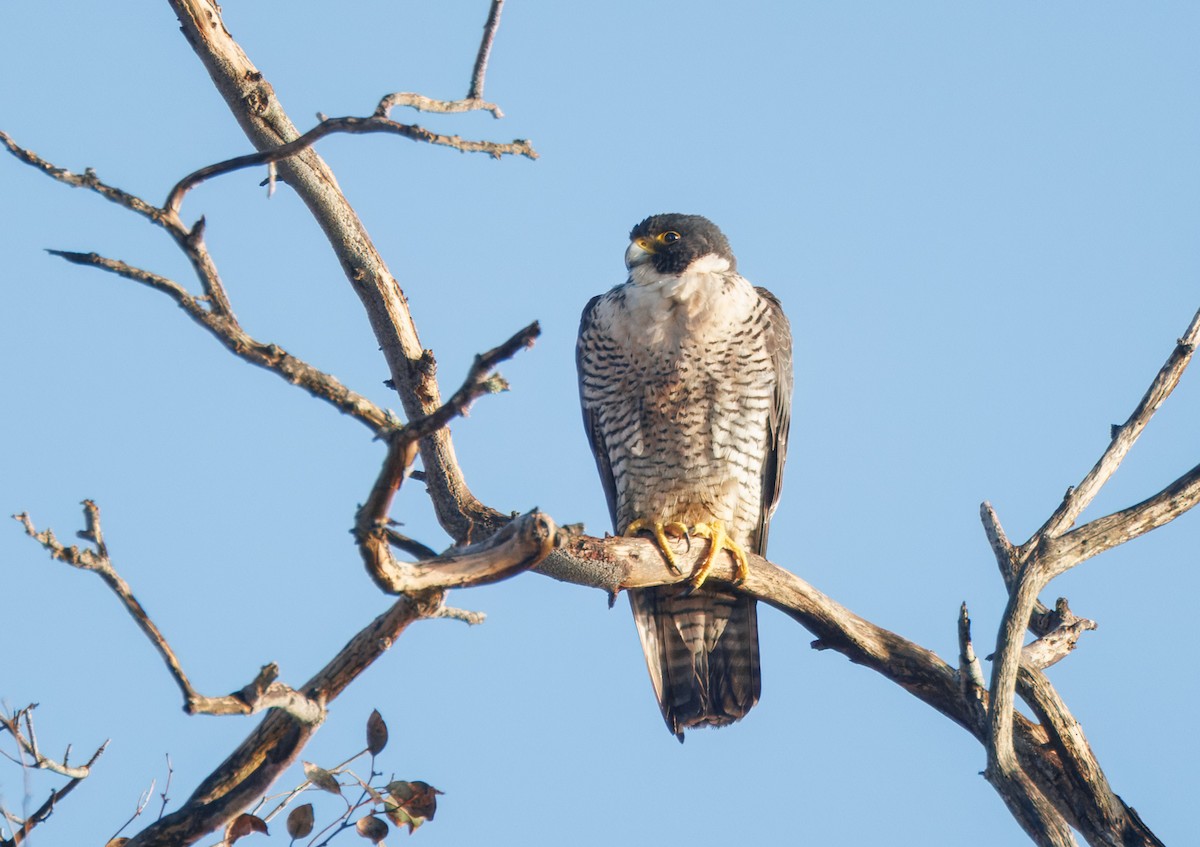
(685, 377)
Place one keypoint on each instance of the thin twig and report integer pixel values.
(421, 103)
(166, 788)
(27, 744)
(262, 693)
(410, 546)
(1124, 437)
(142, 803)
(354, 125)
(89, 180)
(229, 332)
(189, 240)
(475, 92)
(474, 101)
(481, 379)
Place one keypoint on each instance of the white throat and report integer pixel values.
(644, 274)
(703, 301)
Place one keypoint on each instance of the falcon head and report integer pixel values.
(670, 244)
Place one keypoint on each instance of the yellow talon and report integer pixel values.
(660, 528)
(714, 531)
(719, 540)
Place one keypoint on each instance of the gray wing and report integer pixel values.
(779, 348)
(586, 364)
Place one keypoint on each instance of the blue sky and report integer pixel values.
(980, 219)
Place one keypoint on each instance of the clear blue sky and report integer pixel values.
(981, 220)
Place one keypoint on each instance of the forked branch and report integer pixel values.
(1028, 569)
(261, 693)
(20, 726)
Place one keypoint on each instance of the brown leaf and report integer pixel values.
(417, 799)
(244, 824)
(300, 821)
(372, 828)
(401, 818)
(322, 778)
(119, 841)
(377, 734)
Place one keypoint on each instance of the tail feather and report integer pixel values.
(702, 653)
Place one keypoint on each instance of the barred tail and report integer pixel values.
(702, 653)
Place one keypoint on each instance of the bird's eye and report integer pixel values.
(669, 237)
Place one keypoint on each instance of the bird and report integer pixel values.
(685, 380)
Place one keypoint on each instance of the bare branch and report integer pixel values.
(40, 816)
(20, 725)
(191, 241)
(371, 523)
(225, 328)
(262, 693)
(519, 546)
(353, 125)
(1054, 645)
(1028, 569)
(445, 107)
(485, 49)
(1007, 557)
(481, 380)
(464, 615)
(1078, 498)
(275, 744)
(1094, 537)
(410, 546)
(969, 671)
(252, 101)
(89, 180)
(474, 100)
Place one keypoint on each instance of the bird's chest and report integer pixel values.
(680, 345)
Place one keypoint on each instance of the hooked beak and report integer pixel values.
(639, 251)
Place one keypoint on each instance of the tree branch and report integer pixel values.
(352, 125)
(1027, 570)
(252, 101)
(262, 693)
(20, 726)
(296, 713)
(225, 328)
(475, 92)
(1124, 436)
(1093, 538)
(474, 100)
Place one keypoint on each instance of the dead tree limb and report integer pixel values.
(254, 105)
(20, 726)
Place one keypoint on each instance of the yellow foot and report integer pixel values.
(660, 530)
(714, 531)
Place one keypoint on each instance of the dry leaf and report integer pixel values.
(300, 821)
(377, 734)
(322, 778)
(401, 818)
(412, 803)
(372, 828)
(244, 825)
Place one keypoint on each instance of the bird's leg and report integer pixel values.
(660, 530)
(719, 540)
